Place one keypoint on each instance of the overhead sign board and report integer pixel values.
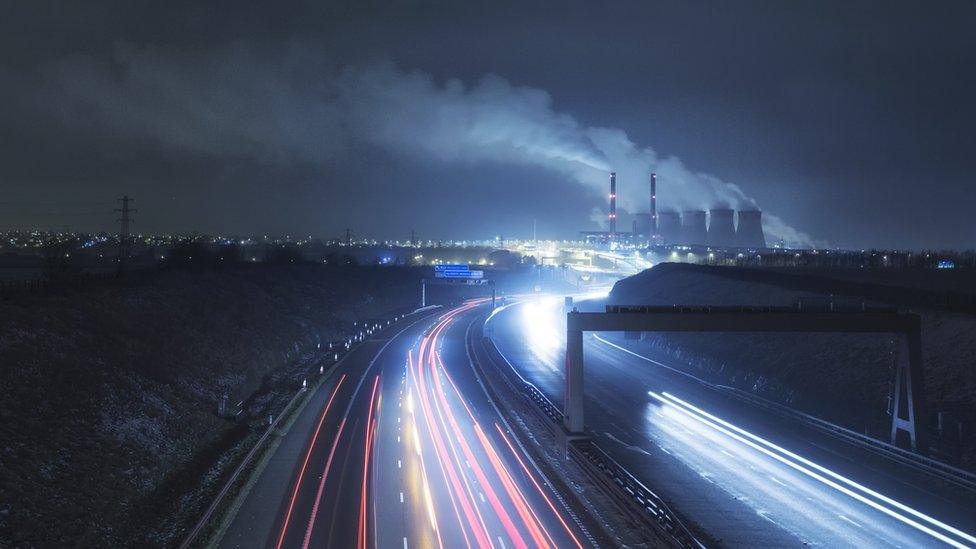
(466, 274)
(451, 268)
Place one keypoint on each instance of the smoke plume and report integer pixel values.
(301, 108)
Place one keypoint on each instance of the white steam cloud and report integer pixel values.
(300, 108)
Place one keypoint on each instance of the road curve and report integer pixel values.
(744, 477)
(401, 448)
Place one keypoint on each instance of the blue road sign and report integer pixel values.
(469, 275)
(451, 268)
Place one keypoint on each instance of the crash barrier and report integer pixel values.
(629, 494)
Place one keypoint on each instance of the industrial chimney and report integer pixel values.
(653, 232)
(749, 233)
(721, 229)
(693, 231)
(670, 227)
(613, 205)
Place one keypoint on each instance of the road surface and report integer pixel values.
(746, 478)
(403, 448)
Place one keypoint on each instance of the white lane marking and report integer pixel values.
(665, 450)
(482, 497)
(727, 453)
(625, 445)
(398, 438)
(401, 497)
(777, 481)
(501, 542)
(399, 464)
(763, 515)
(768, 447)
(404, 542)
(849, 520)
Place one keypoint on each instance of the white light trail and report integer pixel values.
(770, 449)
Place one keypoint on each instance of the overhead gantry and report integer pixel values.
(907, 414)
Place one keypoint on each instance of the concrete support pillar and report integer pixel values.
(908, 421)
(423, 293)
(573, 401)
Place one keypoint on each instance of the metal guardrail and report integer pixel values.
(546, 406)
(353, 342)
(205, 519)
(944, 471)
(645, 505)
(652, 507)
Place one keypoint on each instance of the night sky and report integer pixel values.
(850, 124)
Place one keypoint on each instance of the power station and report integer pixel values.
(716, 228)
(721, 230)
(693, 229)
(653, 229)
(613, 206)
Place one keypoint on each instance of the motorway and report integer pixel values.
(401, 447)
(747, 479)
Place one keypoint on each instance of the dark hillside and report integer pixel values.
(109, 393)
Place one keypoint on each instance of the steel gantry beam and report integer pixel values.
(907, 417)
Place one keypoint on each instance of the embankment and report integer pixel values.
(108, 428)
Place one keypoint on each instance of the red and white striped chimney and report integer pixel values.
(653, 231)
(613, 205)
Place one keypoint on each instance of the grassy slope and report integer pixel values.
(108, 394)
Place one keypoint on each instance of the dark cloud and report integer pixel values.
(844, 120)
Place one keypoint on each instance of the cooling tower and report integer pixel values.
(642, 225)
(669, 226)
(693, 232)
(721, 229)
(749, 233)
